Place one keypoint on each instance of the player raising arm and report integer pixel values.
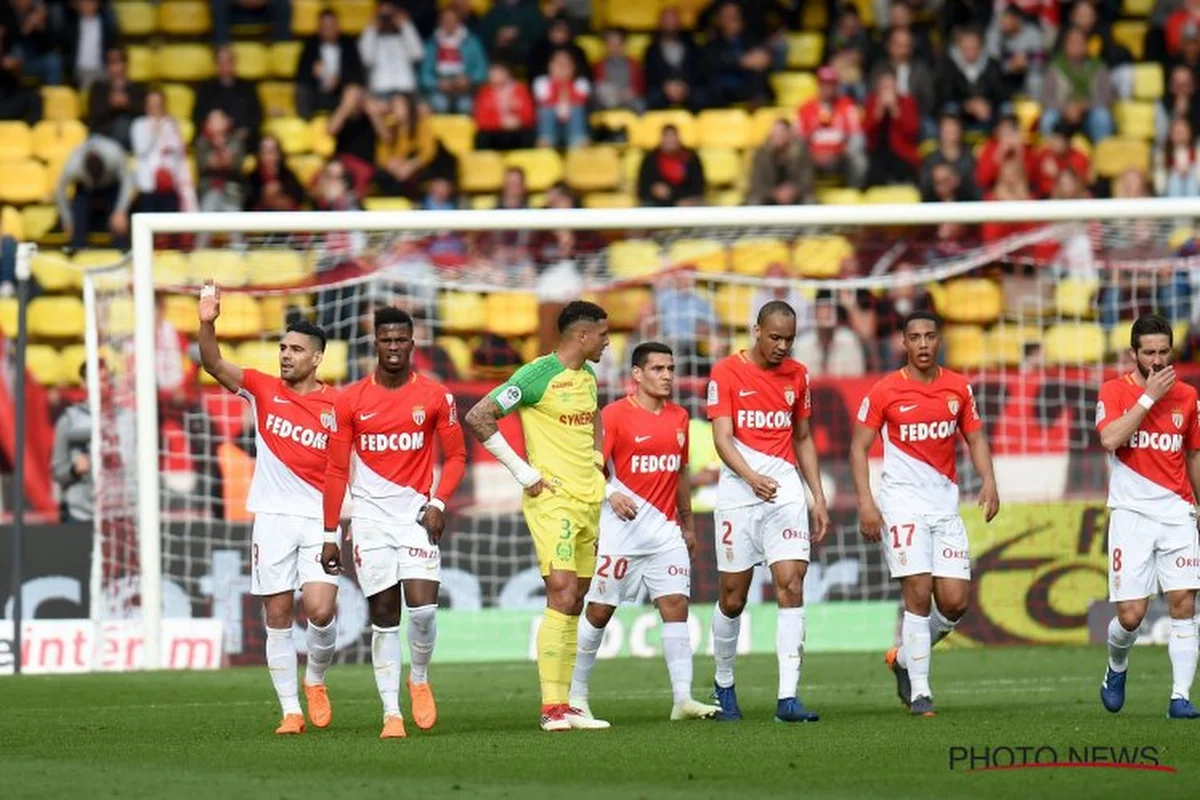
(1148, 424)
(646, 533)
(556, 395)
(921, 410)
(759, 404)
(293, 415)
(387, 421)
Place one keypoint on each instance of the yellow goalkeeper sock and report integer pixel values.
(551, 638)
(570, 647)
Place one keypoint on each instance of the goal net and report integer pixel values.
(1036, 302)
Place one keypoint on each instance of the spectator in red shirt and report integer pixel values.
(671, 174)
(1190, 13)
(1007, 143)
(831, 127)
(504, 116)
(619, 82)
(893, 129)
(562, 98)
(1053, 157)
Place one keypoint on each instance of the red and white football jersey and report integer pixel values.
(389, 434)
(920, 424)
(645, 453)
(291, 434)
(1149, 472)
(763, 404)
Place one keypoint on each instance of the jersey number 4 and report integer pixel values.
(908, 528)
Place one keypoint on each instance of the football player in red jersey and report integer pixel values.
(921, 410)
(1148, 423)
(387, 422)
(646, 532)
(759, 404)
(293, 415)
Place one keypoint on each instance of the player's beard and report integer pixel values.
(1145, 371)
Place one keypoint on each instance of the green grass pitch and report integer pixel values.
(199, 735)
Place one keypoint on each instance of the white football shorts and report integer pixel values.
(917, 543)
(761, 533)
(1145, 555)
(285, 554)
(620, 579)
(402, 552)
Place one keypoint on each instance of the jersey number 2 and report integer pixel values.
(727, 533)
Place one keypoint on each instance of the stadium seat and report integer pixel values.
(636, 45)
(543, 167)
(54, 141)
(1135, 119)
(1074, 297)
(16, 141)
(180, 99)
(252, 59)
(805, 50)
(726, 127)
(44, 364)
(8, 317)
(59, 103)
(753, 256)
(70, 363)
(634, 15)
(1005, 344)
(631, 165)
(609, 200)
(1147, 81)
(814, 17)
(892, 194)
(56, 317)
(225, 268)
(11, 223)
(184, 62)
(278, 98)
(455, 131)
(354, 15)
(180, 311)
(793, 88)
(764, 119)
(1073, 344)
(143, 63)
(975, 300)
(1114, 156)
(617, 119)
(511, 314)
(647, 133)
(1028, 113)
(94, 258)
(1136, 8)
(1131, 34)
(184, 18)
(388, 204)
(626, 307)
(335, 363)
(135, 19)
(839, 196)
(821, 256)
(462, 312)
(305, 14)
(725, 197)
(704, 255)
(37, 221)
(306, 166)
(172, 269)
(460, 354)
(294, 134)
(25, 181)
(284, 57)
(118, 317)
(486, 202)
(592, 47)
(240, 316)
(632, 259)
(966, 347)
(480, 171)
(259, 355)
(54, 273)
(732, 303)
(722, 167)
(1118, 337)
(590, 169)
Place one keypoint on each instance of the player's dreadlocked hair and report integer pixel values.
(315, 332)
(390, 315)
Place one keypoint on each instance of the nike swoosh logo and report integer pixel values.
(281, 401)
(365, 417)
(744, 393)
(906, 409)
(640, 439)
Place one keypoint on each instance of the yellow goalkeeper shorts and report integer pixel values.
(565, 532)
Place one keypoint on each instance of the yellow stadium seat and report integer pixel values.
(821, 256)
(634, 15)
(592, 47)
(172, 269)
(335, 363)
(135, 19)
(354, 15)
(259, 355)
(1073, 343)
(704, 255)
(8, 317)
(1147, 81)
(805, 50)
(252, 60)
(647, 133)
(11, 223)
(71, 360)
(1073, 297)
(487, 202)
(1135, 119)
(240, 315)
(732, 303)
(44, 364)
(54, 141)
(225, 268)
(966, 347)
(284, 57)
(143, 63)
(636, 45)
(1136, 8)
(617, 119)
(184, 18)
(25, 181)
(460, 354)
(976, 300)
(1132, 35)
(306, 166)
(59, 103)
(626, 307)
(388, 204)
(16, 141)
(726, 128)
(37, 221)
(56, 317)
(631, 164)
(180, 311)
(305, 14)
(294, 134)
(55, 273)
(1005, 344)
(725, 197)
(180, 100)
(187, 129)
(511, 314)
(753, 256)
(323, 144)
(93, 258)
(839, 196)
(793, 88)
(1118, 337)
(1027, 111)
(632, 259)
(118, 316)
(892, 194)
(609, 200)
(462, 312)
(543, 167)
(1116, 155)
(455, 131)
(590, 169)
(278, 98)
(814, 17)
(765, 118)
(481, 171)
(184, 62)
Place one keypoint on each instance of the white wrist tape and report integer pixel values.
(1146, 402)
(334, 536)
(525, 474)
(436, 503)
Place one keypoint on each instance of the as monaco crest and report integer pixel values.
(680, 437)
(789, 394)
(419, 415)
(952, 404)
(1177, 418)
(327, 420)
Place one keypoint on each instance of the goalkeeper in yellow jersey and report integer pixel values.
(564, 487)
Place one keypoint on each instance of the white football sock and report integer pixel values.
(915, 632)
(677, 650)
(939, 627)
(789, 648)
(1119, 642)
(1183, 650)
(422, 635)
(281, 661)
(589, 639)
(386, 659)
(321, 646)
(725, 638)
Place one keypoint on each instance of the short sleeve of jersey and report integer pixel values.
(968, 415)
(449, 415)
(870, 413)
(802, 409)
(253, 382)
(524, 388)
(1108, 406)
(610, 418)
(720, 392)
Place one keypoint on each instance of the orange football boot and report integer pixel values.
(319, 710)
(291, 724)
(424, 710)
(393, 728)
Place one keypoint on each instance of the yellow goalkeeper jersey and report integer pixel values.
(558, 415)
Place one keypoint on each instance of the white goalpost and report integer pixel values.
(671, 233)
